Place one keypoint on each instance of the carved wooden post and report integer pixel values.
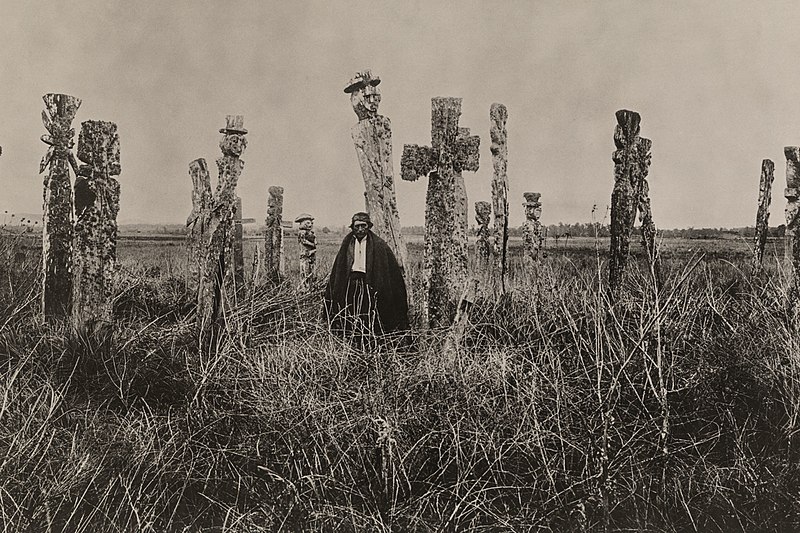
(274, 234)
(762, 216)
(57, 220)
(623, 197)
(532, 234)
(452, 150)
(483, 245)
(198, 218)
(238, 249)
(645, 211)
(498, 115)
(792, 194)
(372, 137)
(308, 250)
(217, 294)
(95, 241)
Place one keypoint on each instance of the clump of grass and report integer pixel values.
(665, 410)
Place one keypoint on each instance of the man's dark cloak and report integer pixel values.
(383, 275)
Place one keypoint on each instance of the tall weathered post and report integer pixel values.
(623, 198)
(648, 227)
(274, 235)
(95, 238)
(238, 249)
(57, 220)
(792, 194)
(762, 215)
(532, 231)
(498, 114)
(452, 150)
(372, 137)
(198, 218)
(217, 292)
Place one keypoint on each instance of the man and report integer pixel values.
(366, 293)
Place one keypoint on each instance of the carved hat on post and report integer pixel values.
(235, 124)
(303, 216)
(361, 217)
(361, 80)
(532, 199)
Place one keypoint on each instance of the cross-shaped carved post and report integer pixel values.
(57, 220)
(452, 151)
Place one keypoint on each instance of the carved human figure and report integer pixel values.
(308, 250)
(217, 291)
(372, 138)
(532, 231)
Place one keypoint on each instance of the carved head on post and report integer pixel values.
(532, 205)
(365, 97)
(306, 221)
(233, 142)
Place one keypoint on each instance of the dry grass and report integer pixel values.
(669, 411)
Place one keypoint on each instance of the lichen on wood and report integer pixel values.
(498, 114)
(452, 151)
(216, 295)
(198, 218)
(624, 202)
(792, 194)
(532, 230)
(57, 231)
(95, 238)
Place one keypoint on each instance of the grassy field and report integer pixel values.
(670, 410)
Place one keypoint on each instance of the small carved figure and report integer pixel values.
(532, 231)
(308, 250)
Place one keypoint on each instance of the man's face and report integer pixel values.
(365, 101)
(307, 224)
(360, 229)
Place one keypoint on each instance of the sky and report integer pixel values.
(716, 84)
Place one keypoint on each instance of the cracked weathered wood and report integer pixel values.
(792, 194)
(372, 137)
(273, 245)
(648, 225)
(238, 250)
(452, 150)
(532, 231)
(498, 114)
(484, 249)
(198, 218)
(623, 198)
(95, 237)
(762, 215)
(57, 220)
(216, 295)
